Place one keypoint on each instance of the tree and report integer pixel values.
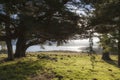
(105, 42)
(39, 21)
(107, 19)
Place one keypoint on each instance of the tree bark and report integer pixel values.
(8, 41)
(106, 56)
(20, 48)
(10, 50)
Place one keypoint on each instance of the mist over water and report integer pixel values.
(72, 45)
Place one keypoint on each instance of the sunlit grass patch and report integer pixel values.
(58, 66)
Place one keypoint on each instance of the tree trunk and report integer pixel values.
(8, 42)
(119, 48)
(20, 48)
(10, 51)
(106, 56)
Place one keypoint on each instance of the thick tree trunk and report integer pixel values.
(119, 49)
(106, 56)
(10, 51)
(8, 42)
(20, 48)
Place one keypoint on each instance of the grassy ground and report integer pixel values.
(58, 66)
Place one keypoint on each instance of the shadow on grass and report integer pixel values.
(19, 70)
(112, 62)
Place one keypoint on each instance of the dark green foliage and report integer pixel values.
(43, 15)
(39, 21)
(108, 42)
(106, 16)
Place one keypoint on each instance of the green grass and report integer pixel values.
(58, 66)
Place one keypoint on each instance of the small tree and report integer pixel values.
(106, 19)
(106, 45)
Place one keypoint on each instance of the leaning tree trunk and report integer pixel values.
(106, 56)
(20, 47)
